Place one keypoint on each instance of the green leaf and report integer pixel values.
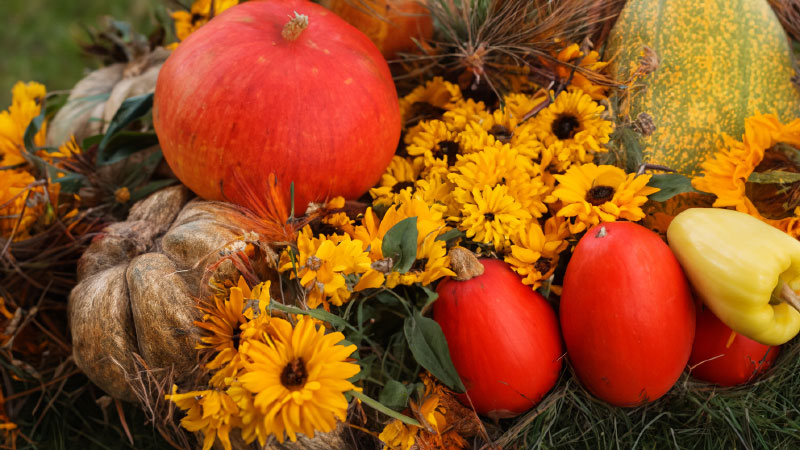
(671, 184)
(450, 234)
(149, 188)
(31, 130)
(394, 395)
(400, 244)
(374, 404)
(130, 110)
(318, 313)
(123, 145)
(429, 347)
(774, 177)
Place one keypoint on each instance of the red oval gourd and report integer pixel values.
(718, 359)
(626, 314)
(503, 339)
(243, 97)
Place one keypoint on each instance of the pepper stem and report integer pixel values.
(291, 31)
(465, 264)
(789, 296)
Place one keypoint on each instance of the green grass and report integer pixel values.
(39, 38)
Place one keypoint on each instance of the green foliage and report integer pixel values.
(400, 244)
(671, 184)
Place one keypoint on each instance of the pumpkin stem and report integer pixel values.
(789, 296)
(291, 31)
(465, 264)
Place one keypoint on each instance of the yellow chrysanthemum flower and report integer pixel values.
(500, 166)
(26, 104)
(591, 194)
(463, 112)
(211, 412)
(323, 264)
(572, 54)
(725, 173)
(399, 436)
(575, 120)
(401, 175)
(432, 263)
(437, 95)
(492, 216)
(187, 22)
(21, 203)
(534, 252)
(298, 379)
(436, 145)
(431, 260)
(435, 191)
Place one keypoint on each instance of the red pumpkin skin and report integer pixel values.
(503, 339)
(236, 96)
(626, 314)
(713, 361)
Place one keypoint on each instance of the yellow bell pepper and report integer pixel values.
(746, 271)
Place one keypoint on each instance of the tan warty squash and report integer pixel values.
(137, 288)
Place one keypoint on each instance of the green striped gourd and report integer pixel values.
(719, 61)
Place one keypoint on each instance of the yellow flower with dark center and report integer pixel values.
(726, 172)
(576, 121)
(429, 101)
(500, 127)
(224, 322)
(592, 194)
(436, 144)
(187, 22)
(492, 216)
(26, 104)
(401, 175)
(298, 379)
(211, 412)
(534, 252)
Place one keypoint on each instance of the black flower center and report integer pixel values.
(542, 265)
(449, 149)
(501, 133)
(399, 186)
(423, 111)
(599, 195)
(564, 127)
(419, 265)
(294, 374)
(236, 338)
(489, 216)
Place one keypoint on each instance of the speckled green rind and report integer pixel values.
(720, 61)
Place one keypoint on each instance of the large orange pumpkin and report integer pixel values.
(283, 87)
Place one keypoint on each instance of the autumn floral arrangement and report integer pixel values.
(523, 230)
